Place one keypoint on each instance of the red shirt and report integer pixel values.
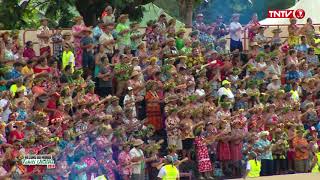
(216, 65)
(18, 135)
(40, 70)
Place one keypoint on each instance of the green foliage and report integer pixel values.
(15, 17)
(11, 15)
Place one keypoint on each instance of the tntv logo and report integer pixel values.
(299, 13)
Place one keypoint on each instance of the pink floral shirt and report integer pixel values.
(125, 163)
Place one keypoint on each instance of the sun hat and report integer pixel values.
(130, 88)
(134, 73)
(254, 43)
(194, 33)
(86, 29)
(170, 40)
(137, 142)
(44, 19)
(114, 98)
(134, 23)
(275, 77)
(199, 15)
(181, 30)
(109, 24)
(234, 15)
(153, 59)
(66, 33)
(77, 18)
(123, 16)
(292, 19)
(278, 30)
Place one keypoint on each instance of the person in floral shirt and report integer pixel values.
(173, 128)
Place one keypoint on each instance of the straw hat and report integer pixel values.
(252, 44)
(234, 15)
(66, 33)
(292, 19)
(123, 16)
(134, 24)
(44, 19)
(114, 98)
(86, 30)
(275, 77)
(134, 73)
(150, 84)
(77, 18)
(153, 59)
(137, 142)
(199, 15)
(182, 30)
(278, 30)
(170, 40)
(194, 33)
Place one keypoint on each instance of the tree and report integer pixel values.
(92, 9)
(186, 8)
(58, 11)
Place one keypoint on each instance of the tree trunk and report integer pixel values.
(182, 9)
(189, 13)
(89, 10)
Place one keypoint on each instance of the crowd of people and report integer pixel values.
(117, 102)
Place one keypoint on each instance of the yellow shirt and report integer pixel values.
(26, 70)
(316, 49)
(316, 168)
(171, 172)
(255, 168)
(14, 89)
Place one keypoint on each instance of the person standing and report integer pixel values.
(123, 30)
(108, 15)
(77, 35)
(87, 46)
(135, 36)
(137, 159)
(253, 167)
(43, 35)
(220, 29)
(301, 146)
(106, 39)
(169, 171)
(68, 57)
(57, 41)
(263, 146)
(97, 32)
(253, 27)
(235, 33)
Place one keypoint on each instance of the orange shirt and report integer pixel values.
(301, 154)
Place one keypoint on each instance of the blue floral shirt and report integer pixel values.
(261, 144)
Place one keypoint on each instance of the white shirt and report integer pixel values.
(137, 167)
(104, 38)
(6, 112)
(132, 106)
(227, 92)
(273, 86)
(43, 42)
(235, 35)
(200, 92)
(163, 172)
